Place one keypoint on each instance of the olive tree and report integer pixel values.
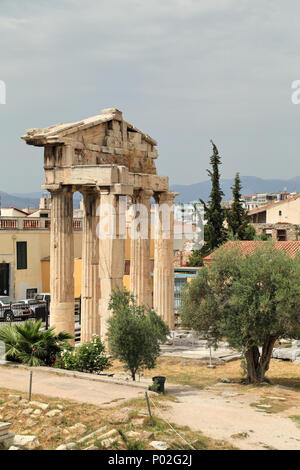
(251, 300)
(134, 333)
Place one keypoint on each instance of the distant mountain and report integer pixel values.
(11, 200)
(22, 200)
(251, 185)
(192, 192)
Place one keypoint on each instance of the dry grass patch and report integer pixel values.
(55, 431)
(195, 373)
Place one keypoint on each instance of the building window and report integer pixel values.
(21, 255)
(178, 284)
(280, 213)
(281, 235)
(30, 293)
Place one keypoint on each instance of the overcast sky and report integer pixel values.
(183, 71)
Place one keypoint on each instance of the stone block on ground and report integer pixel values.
(28, 442)
(108, 443)
(14, 397)
(42, 406)
(4, 427)
(159, 445)
(120, 417)
(133, 435)
(53, 413)
(78, 428)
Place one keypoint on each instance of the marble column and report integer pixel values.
(112, 236)
(164, 257)
(62, 315)
(140, 268)
(90, 291)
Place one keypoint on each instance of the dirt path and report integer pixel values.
(233, 419)
(96, 393)
(221, 412)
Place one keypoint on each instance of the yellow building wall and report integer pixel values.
(37, 274)
(77, 277)
(290, 212)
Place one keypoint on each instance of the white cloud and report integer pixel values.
(183, 70)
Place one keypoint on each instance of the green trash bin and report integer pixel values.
(161, 383)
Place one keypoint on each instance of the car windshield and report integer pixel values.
(39, 297)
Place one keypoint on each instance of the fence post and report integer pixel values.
(149, 409)
(30, 386)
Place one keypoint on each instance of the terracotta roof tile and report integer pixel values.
(292, 248)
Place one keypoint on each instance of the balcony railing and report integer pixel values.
(30, 224)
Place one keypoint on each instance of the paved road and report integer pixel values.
(96, 393)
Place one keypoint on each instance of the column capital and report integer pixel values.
(165, 197)
(88, 190)
(59, 188)
(140, 195)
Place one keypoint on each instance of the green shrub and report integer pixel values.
(134, 333)
(89, 357)
(28, 344)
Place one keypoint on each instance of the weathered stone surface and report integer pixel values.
(78, 428)
(4, 427)
(15, 397)
(137, 422)
(62, 447)
(287, 354)
(107, 443)
(225, 380)
(29, 423)
(120, 417)
(50, 431)
(42, 406)
(159, 445)
(53, 413)
(93, 434)
(109, 434)
(28, 442)
(28, 411)
(14, 448)
(114, 158)
(37, 412)
(71, 445)
(133, 435)
(7, 439)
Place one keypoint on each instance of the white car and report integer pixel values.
(44, 297)
(10, 309)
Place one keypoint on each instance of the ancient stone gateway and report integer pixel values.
(108, 160)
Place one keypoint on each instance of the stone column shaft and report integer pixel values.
(90, 292)
(164, 258)
(62, 261)
(111, 251)
(140, 269)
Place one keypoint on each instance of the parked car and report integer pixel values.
(38, 309)
(43, 297)
(11, 310)
(5, 308)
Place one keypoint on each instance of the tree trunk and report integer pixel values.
(252, 359)
(258, 365)
(133, 375)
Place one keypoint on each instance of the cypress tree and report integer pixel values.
(238, 224)
(214, 232)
